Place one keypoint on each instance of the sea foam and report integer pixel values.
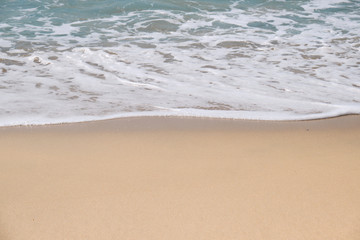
(63, 61)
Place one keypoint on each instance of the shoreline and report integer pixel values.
(226, 117)
(181, 178)
(192, 123)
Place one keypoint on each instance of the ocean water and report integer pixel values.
(80, 60)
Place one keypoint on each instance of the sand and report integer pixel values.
(173, 178)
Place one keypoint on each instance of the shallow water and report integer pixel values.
(65, 61)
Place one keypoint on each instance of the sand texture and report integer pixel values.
(171, 178)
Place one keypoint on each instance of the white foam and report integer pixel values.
(243, 115)
(322, 4)
(5, 43)
(190, 69)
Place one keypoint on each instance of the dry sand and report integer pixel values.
(171, 178)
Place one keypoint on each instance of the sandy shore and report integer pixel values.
(171, 178)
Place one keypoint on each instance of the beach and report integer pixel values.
(179, 120)
(181, 178)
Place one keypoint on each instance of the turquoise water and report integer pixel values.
(65, 61)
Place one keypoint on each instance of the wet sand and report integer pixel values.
(174, 178)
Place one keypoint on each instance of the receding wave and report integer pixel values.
(64, 61)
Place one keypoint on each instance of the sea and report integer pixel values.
(82, 60)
